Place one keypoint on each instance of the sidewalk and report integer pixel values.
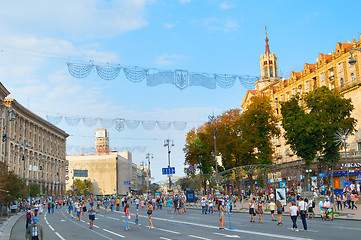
(7, 226)
(346, 214)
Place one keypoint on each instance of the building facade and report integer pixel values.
(331, 70)
(32, 147)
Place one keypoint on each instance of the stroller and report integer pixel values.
(327, 213)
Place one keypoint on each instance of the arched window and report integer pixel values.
(271, 71)
(353, 78)
(266, 71)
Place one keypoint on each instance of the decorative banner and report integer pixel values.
(71, 149)
(119, 123)
(180, 78)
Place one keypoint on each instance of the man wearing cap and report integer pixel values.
(34, 231)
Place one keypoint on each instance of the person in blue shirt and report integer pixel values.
(169, 206)
(106, 205)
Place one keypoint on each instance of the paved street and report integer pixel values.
(192, 225)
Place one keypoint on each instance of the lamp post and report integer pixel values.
(8, 113)
(211, 122)
(352, 60)
(169, 143)
(25, 145)
(308, 171)
(149, 156)
(341, 139)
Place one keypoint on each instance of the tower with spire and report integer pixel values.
(268, 63)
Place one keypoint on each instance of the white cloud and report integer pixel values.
(169, 25)
(81, 18)
(225, 5)
(167, 60)
(214, 24)
(184, 1)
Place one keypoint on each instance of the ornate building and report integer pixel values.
(332, 70)
(32, 147)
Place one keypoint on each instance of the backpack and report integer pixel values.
(313, 204)
(28, 216)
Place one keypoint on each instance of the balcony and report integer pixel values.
(349, 85)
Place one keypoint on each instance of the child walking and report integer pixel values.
(137, 220)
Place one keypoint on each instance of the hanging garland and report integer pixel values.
(180, 78)
(118, 123)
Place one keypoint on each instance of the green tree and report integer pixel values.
(82, 187)
(12, 187)
(310, 124)
(34, 189)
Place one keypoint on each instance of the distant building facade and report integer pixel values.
(32, 147)
(331, 70)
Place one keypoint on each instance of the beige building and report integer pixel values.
(332, 70)
(110, 173)
(32, 147)
(101, 141)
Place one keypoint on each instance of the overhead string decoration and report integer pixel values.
(108, 72)
(80, 70)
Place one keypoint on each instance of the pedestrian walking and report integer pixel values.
(169, 206)
(221, 210)
(127, 216)
(294, 215)
(34, 231)
(279, 212)
(28, 218)
(83, 210)
(77, 210)
(203, 202)
(150, 212)
(260, 210)
(92, 210)
(302, 208)
(251, 209)
(70, 209)
(272, 208)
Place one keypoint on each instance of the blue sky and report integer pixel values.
(212, 36)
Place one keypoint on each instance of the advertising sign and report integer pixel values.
(280, 194)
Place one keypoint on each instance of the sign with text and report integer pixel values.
(126, 182)
(167, 171)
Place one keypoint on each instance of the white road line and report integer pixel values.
(59, 236)
(116, 234)
(100, 214)
(348, 228)
(113, 218)
(165, 230)
(165, 238)
(51, 227)
(198, 237)
(227, 235)
(235, 230)
(307, 230)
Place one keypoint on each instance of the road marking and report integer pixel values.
(116, 234)
(113, 218)
(165, 230)
(87, 228)
(227, 235)
(165, 238)
(308, 230)
(51, 227)
(198, 237)
(235, 230)
(62, 220)
(59, 236)
(348, 228)
(100, 214)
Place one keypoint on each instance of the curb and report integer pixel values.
(268, 213)
(7, 226)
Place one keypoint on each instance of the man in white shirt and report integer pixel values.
(203, 202)
(302, 207)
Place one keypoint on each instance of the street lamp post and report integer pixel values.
(169, 143)
(308, 171)
(211, 122)
(352, 60)
(8, 112)
(25, 145)
(341, 138)
(149, 156)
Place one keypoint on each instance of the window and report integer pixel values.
(293, 91)
(340, 67)
(353, 78)
(359, 146)
(266, 71)
(271, 71)
(287, 96)
(80, 173)
(281, 97)
(307, 85)
(322, 77)
(342, 82)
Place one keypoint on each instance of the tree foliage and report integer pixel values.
(310, 124)
(82, 187)
(12, 187)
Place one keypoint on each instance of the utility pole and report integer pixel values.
(149, 156)
(169, 143)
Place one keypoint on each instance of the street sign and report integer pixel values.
(126, 182)
(170, 170)
(190, 168)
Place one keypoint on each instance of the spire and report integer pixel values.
(267, 46)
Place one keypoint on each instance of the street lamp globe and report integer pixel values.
(352, 60)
